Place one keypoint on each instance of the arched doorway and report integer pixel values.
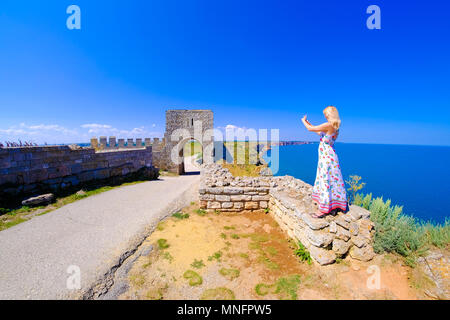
(191, 156)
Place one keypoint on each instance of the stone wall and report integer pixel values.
(220, 190)
(288, 200)
(35, 170)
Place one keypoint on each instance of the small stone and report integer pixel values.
(81, 193)
(39, 200)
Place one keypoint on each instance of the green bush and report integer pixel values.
(401, 233)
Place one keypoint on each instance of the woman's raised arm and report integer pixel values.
(324, 127)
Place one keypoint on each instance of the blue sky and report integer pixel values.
(256, 64)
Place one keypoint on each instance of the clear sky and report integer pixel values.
(256, 64)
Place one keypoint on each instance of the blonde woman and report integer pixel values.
(329, 189)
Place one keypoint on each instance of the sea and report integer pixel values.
(415, 177)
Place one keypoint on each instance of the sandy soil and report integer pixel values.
(247, 256)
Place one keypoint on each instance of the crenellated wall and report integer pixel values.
(111, 143)
(35, 170)
(288, 200)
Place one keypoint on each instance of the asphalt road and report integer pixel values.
(40, 258)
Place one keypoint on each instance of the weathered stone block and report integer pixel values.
(222, 198)
(359, 241)
(241, 197)
(341, 222)
(263, 204)
(250, 205)
(213, 205)
(333, 227)
(313, 223)
(261, 198)
(319, 238)
(342, 234)
(322, 256)
(230, 190)
(39, 200)
(206, 197)
(227, 205)
(354, 228)
(341, 247)
(238, 205)
(364, 254)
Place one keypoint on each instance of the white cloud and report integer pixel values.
(54, 134)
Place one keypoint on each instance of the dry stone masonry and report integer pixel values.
(288, 200)
(27, 171)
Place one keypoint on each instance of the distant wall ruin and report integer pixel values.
(35, 170)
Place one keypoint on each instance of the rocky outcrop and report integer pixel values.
(289, 202)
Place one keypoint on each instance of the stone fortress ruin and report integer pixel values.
(33, 170)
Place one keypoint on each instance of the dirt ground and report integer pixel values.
(247, 256)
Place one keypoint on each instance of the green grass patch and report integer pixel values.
(229, 227)
(197, 264)
(223, 235)
(230, 274)
(201, 212)
(194, 278)
(216, 256)
(272, 251)
(302, 253)
(263, 289)
(269, 264)
(220, 293)
(137, 279)
(180, 215)
(285, 288)
(162, 244)
(167, 256)
(254, 246)
(161, 225)
(234, 236)
(243, 255)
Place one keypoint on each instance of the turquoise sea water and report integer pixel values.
(416, 177)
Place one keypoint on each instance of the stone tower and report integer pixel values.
(182, 126)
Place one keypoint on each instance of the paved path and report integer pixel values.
(93, 234)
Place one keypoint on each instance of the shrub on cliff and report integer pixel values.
(401, 233)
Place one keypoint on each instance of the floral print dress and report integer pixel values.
(329, 188)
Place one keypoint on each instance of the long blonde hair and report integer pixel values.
(332, 115)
